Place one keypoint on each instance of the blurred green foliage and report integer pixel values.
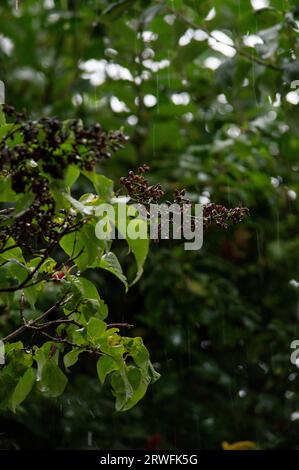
(206, 92)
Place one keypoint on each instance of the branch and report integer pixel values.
(61, 340)
(73, 345)
(8, 247)
(60, 321)
(32, 273)
(22, 308)
(35, 322)
(47, 252)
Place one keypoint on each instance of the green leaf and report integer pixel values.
(95, 330)
(6, 192)
(137, 350)
(139, 384)
(71, 357)
(89, 289)
(138, 246)
(23, 388)
(153, 373)
(71, 175)
(17, 269)
(31, 293)
(58, 189)
(105, 366)
(17, 363)
(122, 388)
(53, 381)
(130, 388)
(92, 308)
(12, 253)
(85, 298)
(5, 129)
(112, 344)
(7, 386)
(110, 263)
(102, 185)
(129, 383)
(83, 246)
(2, 116)
(23, 205)
(47, 266)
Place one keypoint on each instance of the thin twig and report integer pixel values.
(73, 345)
(22, 299)
(60, 321)
(59, 340)
(47, 253)
(8, 248)
(35, 322)
(120, 325)
(32, 273)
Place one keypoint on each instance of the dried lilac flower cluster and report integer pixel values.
(33, 155)
(140, 191)
(48, 146)
(216, 214)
